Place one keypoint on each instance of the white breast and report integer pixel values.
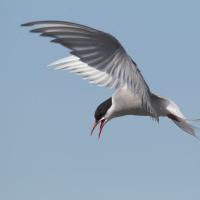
(125, 102)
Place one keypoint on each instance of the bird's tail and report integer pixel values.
(169, 109)
(179, 119)
(184, 124)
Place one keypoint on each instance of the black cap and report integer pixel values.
(102, 109)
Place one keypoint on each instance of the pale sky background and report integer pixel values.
(46, 152)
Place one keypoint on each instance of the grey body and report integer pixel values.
(125, 102)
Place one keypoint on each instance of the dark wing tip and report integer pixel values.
(36, 22)
(28, 24)
(32, 23)
(24, 24)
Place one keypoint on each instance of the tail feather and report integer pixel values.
(183, 124)
(168, 108)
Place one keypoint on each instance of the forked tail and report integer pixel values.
(179, 119)
(183, 124)
(167, 107)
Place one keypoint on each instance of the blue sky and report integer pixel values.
(46, 151)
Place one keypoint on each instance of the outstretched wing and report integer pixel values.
(97, 56)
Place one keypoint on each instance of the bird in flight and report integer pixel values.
(100, 58)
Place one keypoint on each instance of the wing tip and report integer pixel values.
(32, 23)
(28, 24)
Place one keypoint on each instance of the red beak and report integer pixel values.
(100, 127)
(94, 126)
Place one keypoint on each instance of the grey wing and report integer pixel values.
(97, 56)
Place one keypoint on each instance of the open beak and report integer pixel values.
(94, 126)
(102, 123)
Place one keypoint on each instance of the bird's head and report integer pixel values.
(100, 115)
